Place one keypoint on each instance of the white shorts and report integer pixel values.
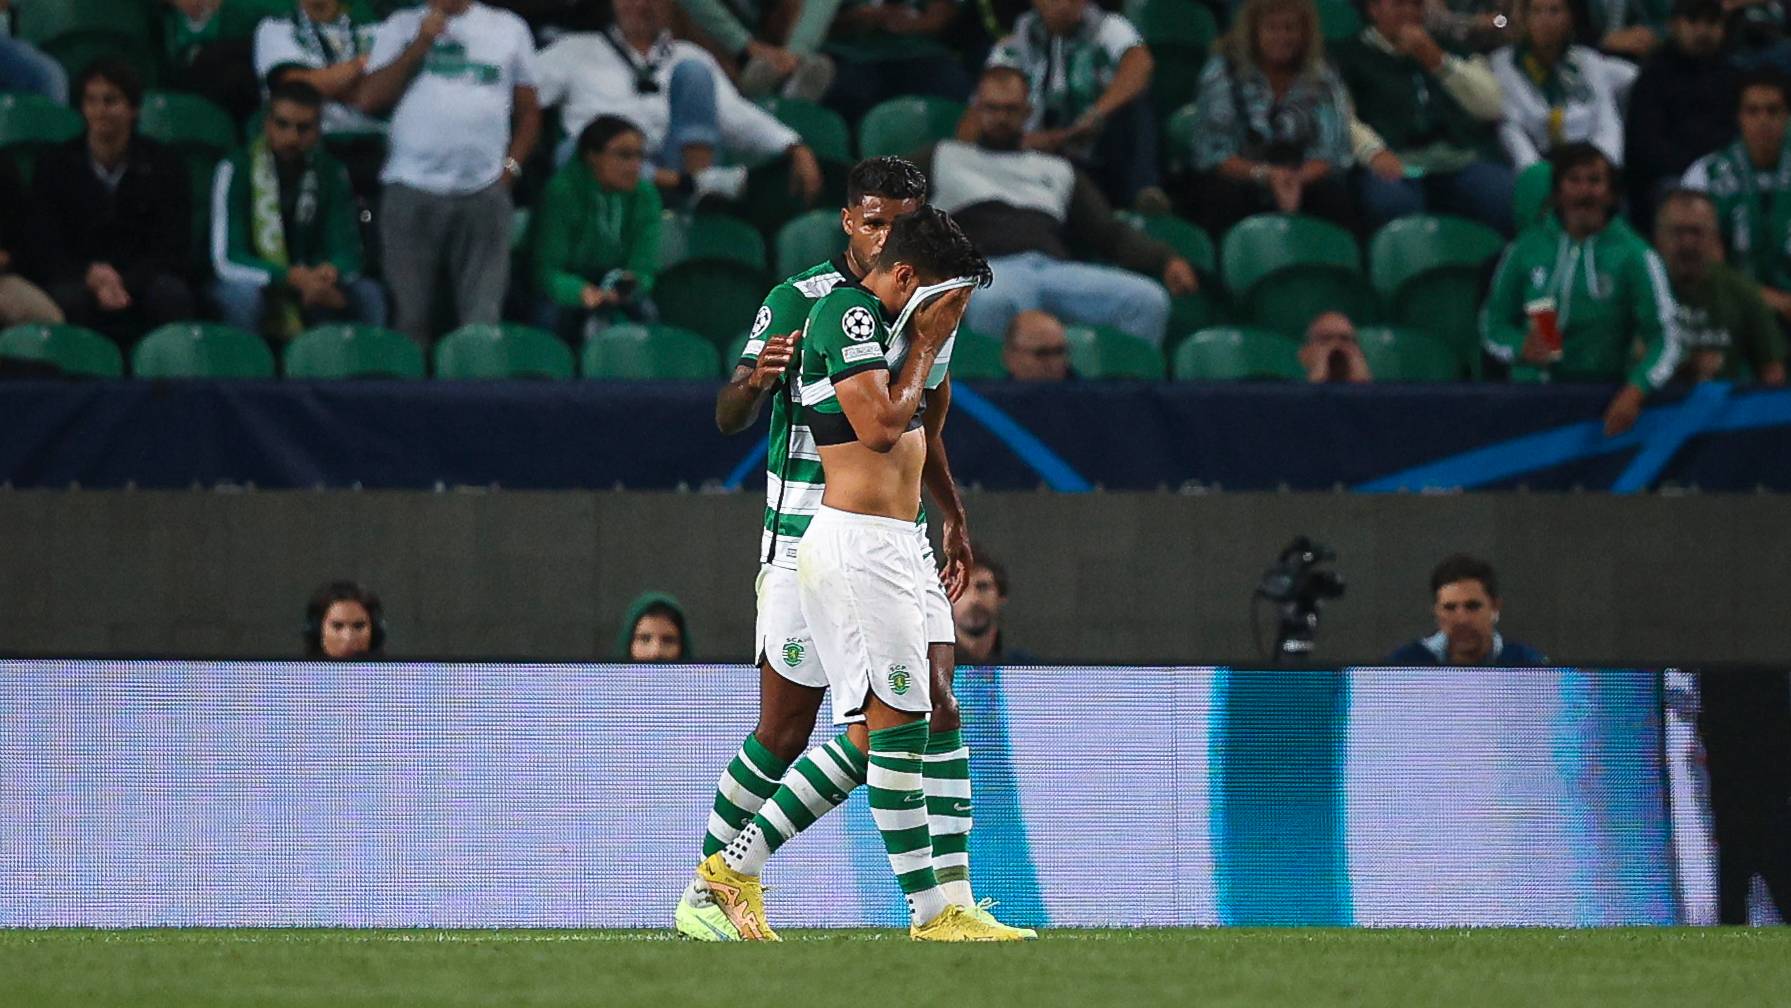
(862, 580)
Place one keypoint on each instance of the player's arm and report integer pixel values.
(763, 362)
(878, 409)
(954, 531)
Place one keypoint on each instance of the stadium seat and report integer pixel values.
(351, 351)
(647, 352)
(1175, 81)
(1233, 354)
(1431, 272)
(1285, 269)
(187, 122)
(821, 128)
(1178, 140)
(769, 203)
(1105, 352)
(1529, 197)
(486, 352)
(1408, 355)
(201, 350)
(76, 32)
(731, 356)
(809, 239)
(1338, 19)
(1187, 23)
(709, 236)
(74, 350)
(710, 297)
(903, 125)
(976, 357)
(29, 123)
(1202, 308)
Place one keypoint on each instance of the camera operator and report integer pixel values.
(1465, 600)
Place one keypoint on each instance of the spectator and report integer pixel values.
(1576, 292)
(1023, 208)
(284, 240)
(782, 56)
(206, 51)
(1090, 73)
(654, 631)
(1478, 26)
(462, 78)
(1750, 180)
(117, 214)
(1669, 123)
(322, 43)
(1035, 348)
(20, 299)
(678, 96)
(1435, 113)
(343, 621)
(1273, 130)
(978, 615)
(596, 246)
(1465, 600)
(1554, 91)
(1728, 331)
(886, 48)
(24, 67)
(1332, 353)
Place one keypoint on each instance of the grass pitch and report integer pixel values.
(1307, 968)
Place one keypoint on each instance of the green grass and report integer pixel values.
(1103, 969)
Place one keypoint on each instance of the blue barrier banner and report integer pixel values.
(165, 793)
(1002, 436)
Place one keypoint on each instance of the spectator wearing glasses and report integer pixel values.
(1035, 348)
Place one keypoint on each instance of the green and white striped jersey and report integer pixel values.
(793, 478)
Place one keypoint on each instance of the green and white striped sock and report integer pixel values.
(817, 784)
(898, 804)
(748, 782)
(946, 780)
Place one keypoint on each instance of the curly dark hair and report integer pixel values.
(889, 177)
(931, 242)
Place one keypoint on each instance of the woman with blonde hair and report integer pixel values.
(1273, 119)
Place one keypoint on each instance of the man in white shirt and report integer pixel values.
(323, 44)
(675, 92)
(460, 79)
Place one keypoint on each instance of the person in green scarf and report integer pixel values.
(596, 241)
(1554, 91)
(655, 630)
(1583, 275)
(1750, 180)
(285, 243)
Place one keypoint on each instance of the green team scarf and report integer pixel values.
(267, 230)
(1759, 236)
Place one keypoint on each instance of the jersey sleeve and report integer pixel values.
(783, 312)
(842, 338)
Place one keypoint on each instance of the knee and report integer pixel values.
(691, 76)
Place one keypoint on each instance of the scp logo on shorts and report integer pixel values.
(899, 680)
(793, 652)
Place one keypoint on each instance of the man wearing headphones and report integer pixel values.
(1465, 599)
(344, 621)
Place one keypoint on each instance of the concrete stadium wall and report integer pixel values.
(1121, 578)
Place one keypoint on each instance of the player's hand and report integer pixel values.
(939, 318)
(1621, 414)
(773, 362)
(955, 575)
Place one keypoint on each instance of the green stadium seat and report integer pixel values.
(76, 32)
(1529, 197)
(649, 352)
(202, 134)
(1338, 19)
(1235, 354)
(709, 236)
(1186, 23)
(731, 356)
(821, 128)
(1202, 308)
(903, 125)
(201, 350)
(769, 202)
(1408, 355)
(1105, 352)
(714, 298)
(976, 357)
(1284, 269)
(29, 123)
(1431, 273)
(1178, 139)
(488, 352)
(1175, 81)
(76, 351)
(811, 238)
(351, 351)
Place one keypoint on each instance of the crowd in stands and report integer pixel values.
(1160, 188)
